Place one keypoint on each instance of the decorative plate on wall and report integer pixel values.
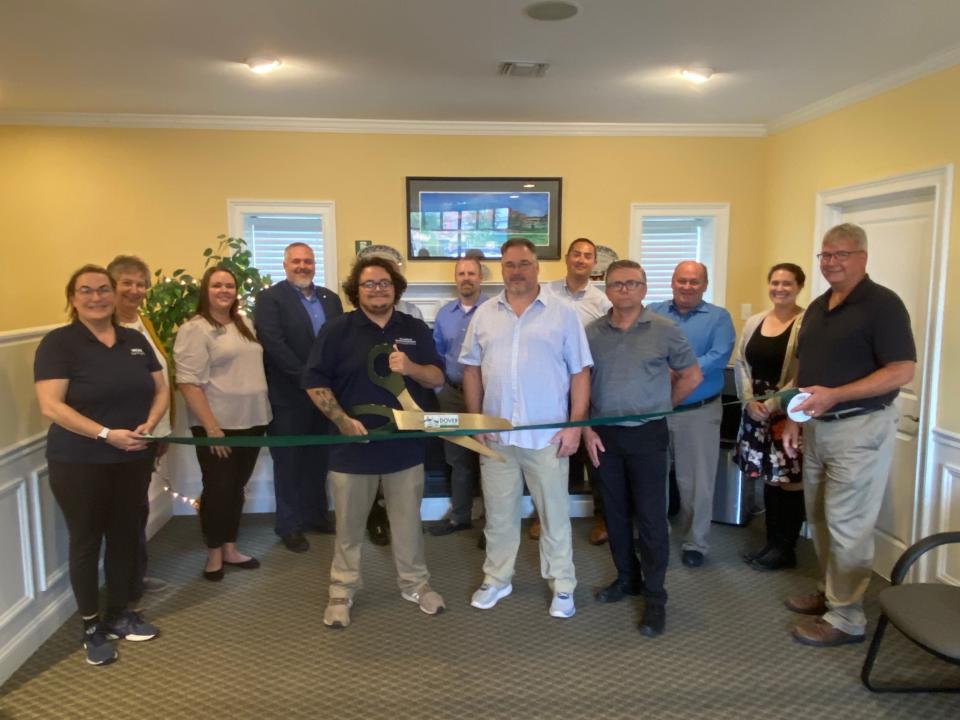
(605, 256)
(384, 251)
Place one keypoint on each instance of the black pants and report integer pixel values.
(299, 473)
(97, 501)
(633, 480)
(784, 516)
(224, 480)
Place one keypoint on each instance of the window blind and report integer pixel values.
(268, 235)
(665, 242)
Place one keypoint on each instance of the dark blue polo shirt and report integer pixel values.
(869, 329)
(338, 360)
(110, 385)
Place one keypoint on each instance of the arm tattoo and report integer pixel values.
(323, 398)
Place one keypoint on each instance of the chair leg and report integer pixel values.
(872, 654)
(871, 658)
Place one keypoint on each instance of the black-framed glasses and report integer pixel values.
(840, 255)
(102, 291)
(621, 285)
(376, 284)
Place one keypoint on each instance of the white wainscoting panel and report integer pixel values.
(50, 539)
(942, 505)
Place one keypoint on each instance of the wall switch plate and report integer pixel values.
(746, 310)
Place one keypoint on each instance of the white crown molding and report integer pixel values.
(389, 127)
(855, 94)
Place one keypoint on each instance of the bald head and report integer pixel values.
(689, 283)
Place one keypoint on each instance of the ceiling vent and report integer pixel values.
(524, 69)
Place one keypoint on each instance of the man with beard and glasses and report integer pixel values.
(449, 329)
(288, 317)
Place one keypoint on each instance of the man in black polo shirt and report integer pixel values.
(338, 380)
(856, 350)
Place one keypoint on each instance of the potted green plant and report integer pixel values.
(172, 299)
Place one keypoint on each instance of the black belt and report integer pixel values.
(456, 386)
(851, 413)
(701, 403)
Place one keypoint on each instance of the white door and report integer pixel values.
(900, 240)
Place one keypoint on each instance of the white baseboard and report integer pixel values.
(26, 642)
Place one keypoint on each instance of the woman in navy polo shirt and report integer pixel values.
(220, 374)
(103, 390)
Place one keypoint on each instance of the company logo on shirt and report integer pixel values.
(137, 352)
(406, 341)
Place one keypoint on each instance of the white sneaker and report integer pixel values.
(562, 605)
(488, 596)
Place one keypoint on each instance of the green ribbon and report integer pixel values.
(375, 435)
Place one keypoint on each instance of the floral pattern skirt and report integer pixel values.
(759, 452)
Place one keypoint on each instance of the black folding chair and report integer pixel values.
(926, 613)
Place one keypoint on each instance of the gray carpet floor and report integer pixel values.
(254, 646)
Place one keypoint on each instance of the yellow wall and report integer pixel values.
(75, 195)
(912, 128)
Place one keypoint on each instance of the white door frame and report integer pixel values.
(829, 209)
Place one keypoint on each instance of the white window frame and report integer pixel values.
(236, 209)
(719, 213)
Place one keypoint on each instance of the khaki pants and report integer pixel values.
(353, 496)
(846, 464)
(502, 482)
(695, 451)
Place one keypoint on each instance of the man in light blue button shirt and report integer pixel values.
(526, 359)
(695, 433)
(449, 329)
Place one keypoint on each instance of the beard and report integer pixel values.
(301, 283)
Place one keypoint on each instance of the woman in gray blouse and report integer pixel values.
(219, 366)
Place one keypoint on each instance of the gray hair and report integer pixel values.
(847, 231)
(288, 248)
(627, 265)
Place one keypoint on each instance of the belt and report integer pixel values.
(456, 386)
(701, 403)
(851, 413)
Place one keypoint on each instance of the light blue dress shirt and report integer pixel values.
(449, 329)
(526, 363)
(314, 309)
(709, 330)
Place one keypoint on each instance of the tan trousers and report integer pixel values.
(502, 482)
(353, 496)
(846, 464)
(695, 451)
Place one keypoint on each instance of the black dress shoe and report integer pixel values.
(248, 564)
(379, 534)
(213, 575)
(749, 557)
(692, 558)
(654, 620)
(448, 527)
(295, 542)
(617, 591)
(776, 559)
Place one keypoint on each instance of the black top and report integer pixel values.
(338, 361)
(286, 335)
(765, 354)
(868, 330)
(110, 385)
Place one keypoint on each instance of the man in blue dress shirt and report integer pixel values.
(288, 317)
(449, 329)
(695, 433)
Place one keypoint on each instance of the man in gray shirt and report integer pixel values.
(634, 353)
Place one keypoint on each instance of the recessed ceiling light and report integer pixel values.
(263, 65)
(698, 75)
(552, 10)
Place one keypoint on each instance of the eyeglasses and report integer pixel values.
(376, 284)
(621, 285)
(102, 291)
(840, 255)
(522, 265)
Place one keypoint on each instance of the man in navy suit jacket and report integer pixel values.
(288, 317)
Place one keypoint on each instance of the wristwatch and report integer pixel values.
(102, 435)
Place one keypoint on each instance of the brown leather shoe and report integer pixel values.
(809, 604)
(598, 533)
(534, 531)
(820, 633)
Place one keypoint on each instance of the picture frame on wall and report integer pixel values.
(448, 217)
